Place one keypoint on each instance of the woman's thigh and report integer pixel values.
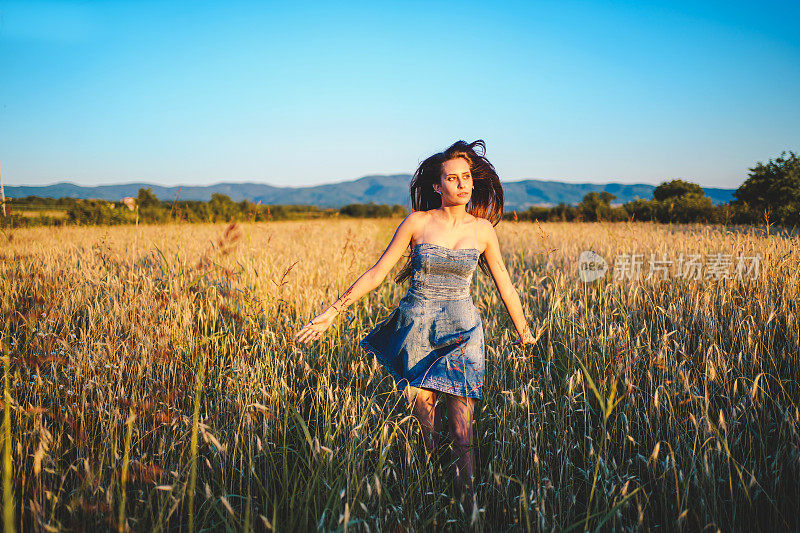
(425, 396)
(460, 412)
(422, 397)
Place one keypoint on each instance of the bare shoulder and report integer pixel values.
(485, 227)
(415, 220)
(483, 224)
(411, 225)
(418, 215)
(485, 231)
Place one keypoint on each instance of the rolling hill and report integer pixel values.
(379, 189)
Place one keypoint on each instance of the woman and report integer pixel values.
(432, 343)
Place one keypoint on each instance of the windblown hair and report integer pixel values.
(487, 193)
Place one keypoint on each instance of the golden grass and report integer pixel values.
(153, 383)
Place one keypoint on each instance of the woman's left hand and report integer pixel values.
(315, 327)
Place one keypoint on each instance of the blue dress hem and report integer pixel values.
(428, 382)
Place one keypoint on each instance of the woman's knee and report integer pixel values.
(461, 433)
(459, 414)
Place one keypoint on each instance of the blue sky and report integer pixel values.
(303, 93)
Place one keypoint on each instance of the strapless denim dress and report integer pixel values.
(434, 338)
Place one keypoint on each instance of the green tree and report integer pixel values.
(676, 189)
(675, 201)
(641, 209)
(687, 208)
(606, 197)
(773, 188)
(147, 198)
(96, 212)
(597, 206)
(223, 208)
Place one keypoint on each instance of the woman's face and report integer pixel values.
(456, 182)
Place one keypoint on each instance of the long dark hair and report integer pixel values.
(487, 193)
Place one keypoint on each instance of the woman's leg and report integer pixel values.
(459, 416)
(428, 412)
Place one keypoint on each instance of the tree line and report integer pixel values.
(770, 194)
(147, 208)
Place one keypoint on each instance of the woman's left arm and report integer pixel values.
(503, 283)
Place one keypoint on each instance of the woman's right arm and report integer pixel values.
(369, 280)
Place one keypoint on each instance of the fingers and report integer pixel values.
(307, 333)
(520, 342)
(308, 338)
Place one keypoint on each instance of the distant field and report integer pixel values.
(32, 211)
(153, 381)
(55, 213)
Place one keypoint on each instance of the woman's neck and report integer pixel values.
(452, 214)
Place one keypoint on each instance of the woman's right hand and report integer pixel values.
(527, 338)
(315, 328)
(524, 342)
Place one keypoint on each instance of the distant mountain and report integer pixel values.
(379, 189)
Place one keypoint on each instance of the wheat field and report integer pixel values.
(151, 384)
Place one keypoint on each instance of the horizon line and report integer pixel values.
(514, 180)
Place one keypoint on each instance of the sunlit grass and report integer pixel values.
(154, 383)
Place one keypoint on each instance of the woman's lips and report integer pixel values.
(463, 194)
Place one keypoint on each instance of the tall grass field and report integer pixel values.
(151, 383)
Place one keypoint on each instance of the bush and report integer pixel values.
(675, 201)
(372, 210)
(597, 206)
(86, 212)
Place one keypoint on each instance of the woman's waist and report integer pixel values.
(424, 292)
